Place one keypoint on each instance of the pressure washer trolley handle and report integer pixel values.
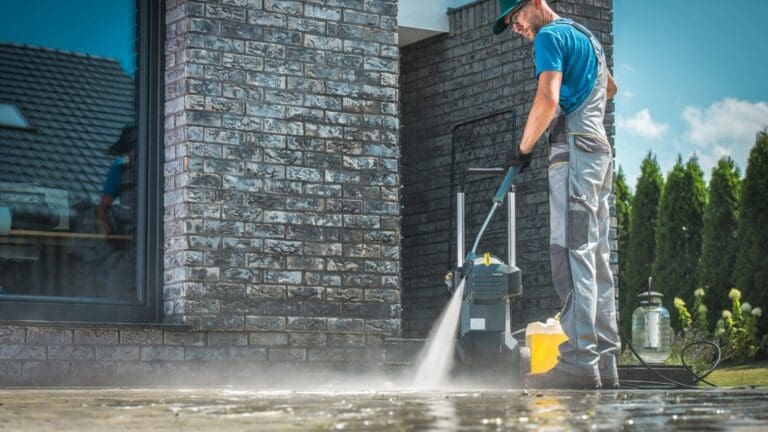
(463, 260)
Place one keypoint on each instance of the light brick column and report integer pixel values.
(282, 166)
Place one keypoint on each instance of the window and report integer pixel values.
(11, 116)
(79, 236)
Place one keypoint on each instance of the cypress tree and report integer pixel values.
(678, 237)
(718, 250)
(641, 248)
(751, 272)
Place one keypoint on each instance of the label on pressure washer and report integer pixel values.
(477, 323)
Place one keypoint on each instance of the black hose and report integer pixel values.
(669, 382)
(715, 364)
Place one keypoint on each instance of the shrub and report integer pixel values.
(736, 332)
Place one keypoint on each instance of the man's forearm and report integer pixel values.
(542, 111)
(612, 88)
(101, 214)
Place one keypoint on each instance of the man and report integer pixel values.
(574, 85)
(119, 183)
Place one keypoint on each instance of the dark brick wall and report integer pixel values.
(282, 166)
(449, 80)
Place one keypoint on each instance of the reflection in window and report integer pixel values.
(67, 186)
(11, 116)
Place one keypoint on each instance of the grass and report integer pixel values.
(751, 374)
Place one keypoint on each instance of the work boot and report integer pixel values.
(609, 373)
(558, 379)
(610, 383)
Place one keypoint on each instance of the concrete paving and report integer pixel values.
(238, 409)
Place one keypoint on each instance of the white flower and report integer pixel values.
(699, 292)
(746, 308)
(734, 294)
(757, 312)
(719, 331)
(727, 314)
(702, 309)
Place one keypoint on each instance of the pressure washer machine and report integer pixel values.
(485, 340)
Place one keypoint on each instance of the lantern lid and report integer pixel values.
(650, 297)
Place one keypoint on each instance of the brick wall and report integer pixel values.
(452, 79)
(70, 354)
(282, 166)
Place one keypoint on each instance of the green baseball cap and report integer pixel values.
(506, 6)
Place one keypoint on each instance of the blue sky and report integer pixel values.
(96, 27)
(691, 76)
(692, 80)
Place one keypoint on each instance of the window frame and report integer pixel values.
(148, 246)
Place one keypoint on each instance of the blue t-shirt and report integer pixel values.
(559, 46)
(114, 178)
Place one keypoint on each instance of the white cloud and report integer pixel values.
(642, 125)
(726, 122)
(726, 128)
(628, 94)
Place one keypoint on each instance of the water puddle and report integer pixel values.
(244, 409)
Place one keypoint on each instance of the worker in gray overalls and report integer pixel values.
(574, 85)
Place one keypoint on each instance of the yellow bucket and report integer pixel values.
(543, 340)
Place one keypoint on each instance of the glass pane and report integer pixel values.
(10, 116)
(67, 181)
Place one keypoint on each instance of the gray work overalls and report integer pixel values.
(580, 179)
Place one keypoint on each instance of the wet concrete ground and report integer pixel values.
(240, 410)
